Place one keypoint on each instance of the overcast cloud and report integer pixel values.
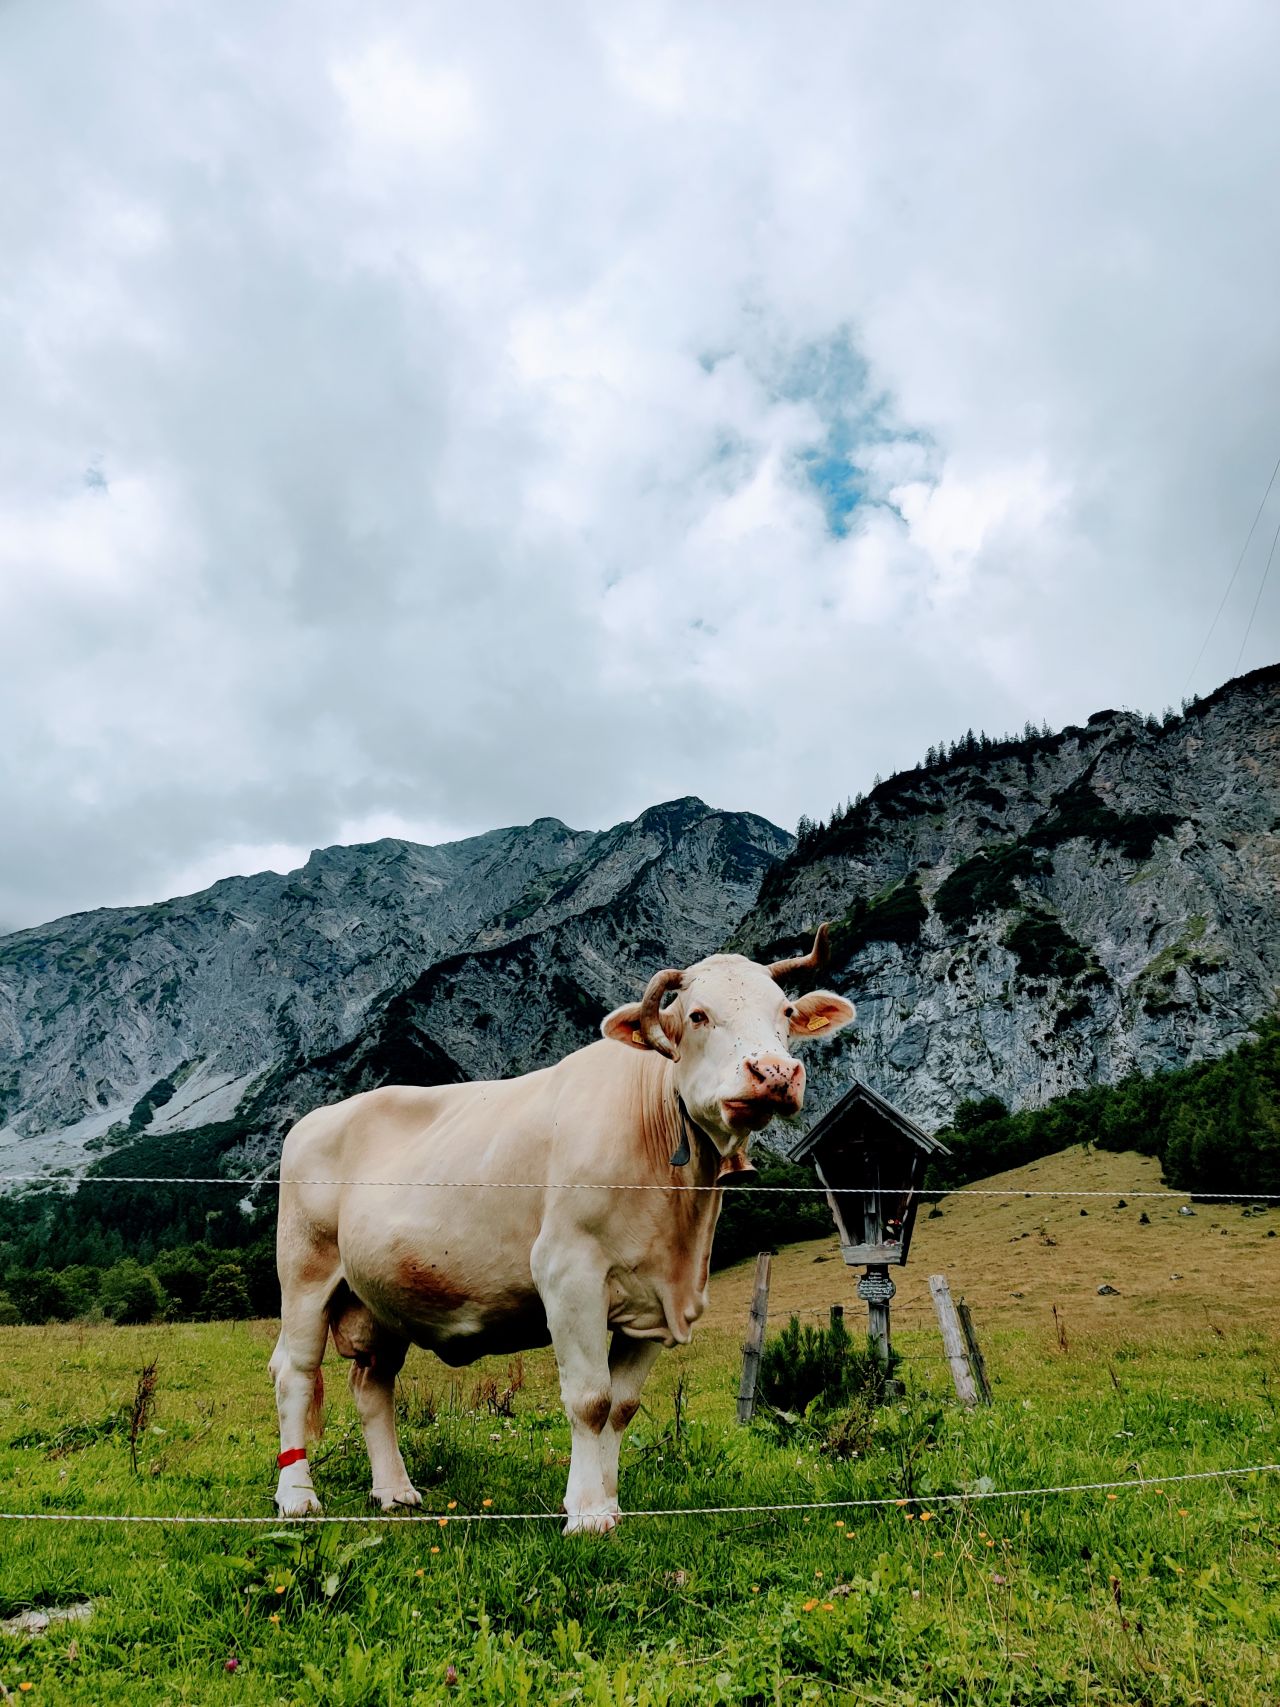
(415, 419)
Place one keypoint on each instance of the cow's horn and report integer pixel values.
(650, 1024)
(814, 961)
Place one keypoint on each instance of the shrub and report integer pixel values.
(807, 1366)
(225, 1297)
(131, 1293)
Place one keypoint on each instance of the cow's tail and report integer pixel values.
(315, 1410)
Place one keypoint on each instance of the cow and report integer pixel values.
(384, 1239)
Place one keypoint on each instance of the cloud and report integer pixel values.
(442, 418)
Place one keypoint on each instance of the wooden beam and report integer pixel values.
(872, 1256)
(953, 1340)
(755, 1339)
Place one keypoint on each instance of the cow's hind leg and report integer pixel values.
(306, 1288)
(629, 1364)
(377, 1358)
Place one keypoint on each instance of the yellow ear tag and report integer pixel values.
(818, 1021)
(636, 1037)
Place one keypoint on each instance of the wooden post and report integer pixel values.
(755, 1339)
(977, 1363)
(837, 1316)
(875, 1288)
(953, 1340)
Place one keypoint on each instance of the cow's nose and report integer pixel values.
(776, 1075)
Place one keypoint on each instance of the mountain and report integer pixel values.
(231, 1011)
(1015, 918)
(1022, 917)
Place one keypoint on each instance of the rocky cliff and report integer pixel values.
(1024, 917)
(242, 1006)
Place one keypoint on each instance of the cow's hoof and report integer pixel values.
(298, 1502)
(598, 1522)
(404, 1494)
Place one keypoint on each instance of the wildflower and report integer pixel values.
(998, 1580)
(808, 1606)
(451, 1676)
(1113, 1496)
(926, 1517)
(435, 1549)
(828, 1606)
(755, 1588)
(279, 1588)
(452, 1506)
(442, 1521)
(915, 1594)
(486, 1503)
(990, 1543)
(273, 1618)
(900, 1502)
(420, 1572)
(910, 1516)
(839, 1523)
(817, 1576)
(1183, 1512)
(233, 1664)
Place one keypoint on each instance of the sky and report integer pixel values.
(420, 418)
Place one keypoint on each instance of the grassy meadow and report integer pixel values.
(1167, 1594)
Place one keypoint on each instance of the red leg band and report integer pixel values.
(291, 1457)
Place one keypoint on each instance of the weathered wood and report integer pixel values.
(832, 1204)
(953, 1340)
(755, 1339)
(879, 1256)
(977, 1363)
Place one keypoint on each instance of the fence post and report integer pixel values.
(977, 1362)
(953, 1340)
(755, 1338)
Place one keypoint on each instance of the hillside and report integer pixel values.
(1023, 917)
(1014, 1257)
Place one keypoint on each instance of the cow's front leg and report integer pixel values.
(573, 1291)
(629, 1364)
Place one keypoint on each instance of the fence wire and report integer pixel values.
(1148, 1484)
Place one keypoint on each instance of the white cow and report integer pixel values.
(505, 1254)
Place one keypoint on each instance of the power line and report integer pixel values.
(1234, 573)
(1249, 626)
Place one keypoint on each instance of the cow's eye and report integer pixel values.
(697, 1017)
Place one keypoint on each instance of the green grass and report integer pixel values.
(1166, 1595)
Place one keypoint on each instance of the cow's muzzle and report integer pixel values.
(774, 1085)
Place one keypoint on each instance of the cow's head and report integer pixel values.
(729, 1032)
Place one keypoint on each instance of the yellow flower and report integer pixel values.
(452, 1506)
(442, 1521)
(486, 1503)
(279, 1588)
(1183, 1512)
(817, 1576)
(420, 1572)
(808, 1606)
(926, 1517)
(900, 1502)
(910, 1516)
(839, 1523)
(1113, 1496)
(273, 1618)
(828, 1606)
(755, 1588)
(990, 1543)
(435, 1549)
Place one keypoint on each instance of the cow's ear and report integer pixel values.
(820, 1013)
(623, 1026)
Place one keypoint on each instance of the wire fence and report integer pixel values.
(1147, 1484)
(929, 1193)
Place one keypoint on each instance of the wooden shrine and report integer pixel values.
(871, 1160)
